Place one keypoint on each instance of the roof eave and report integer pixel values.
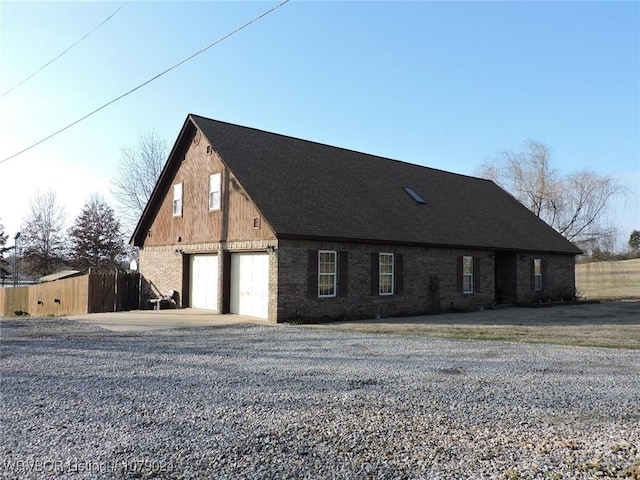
(319, 238)
(156, 197)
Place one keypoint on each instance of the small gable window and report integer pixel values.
(327, 273)
(467, 274)
(177, 200)
(537, 274)
(214, 191)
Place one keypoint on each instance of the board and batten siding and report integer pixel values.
(238, 218)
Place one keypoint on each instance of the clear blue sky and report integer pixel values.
(441, 84)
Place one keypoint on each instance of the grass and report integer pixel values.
(604, 325)
(603, 336)
(612, 338)
(612, 324)
(613, 280)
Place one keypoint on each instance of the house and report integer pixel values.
(264, 225)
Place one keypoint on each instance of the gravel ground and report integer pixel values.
(247, 401)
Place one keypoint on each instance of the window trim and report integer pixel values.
(390, 275)
(537, 274)
(213, 206)
(333, 274)
(177, 199)
(468, 276)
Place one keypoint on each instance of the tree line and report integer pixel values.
(97, 236)
(575, 204)
(45, 246)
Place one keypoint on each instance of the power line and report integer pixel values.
(62, 53)
(224, 37)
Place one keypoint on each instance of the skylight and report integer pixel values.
(414, 195)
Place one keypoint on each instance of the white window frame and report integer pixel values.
(215, 191)
(467, 274)
(327, 278)
(177, 200)
(537, 274)
(388, 276)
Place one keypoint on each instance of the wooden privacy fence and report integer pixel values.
(101, 290)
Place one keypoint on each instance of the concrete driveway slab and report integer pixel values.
(141, 320)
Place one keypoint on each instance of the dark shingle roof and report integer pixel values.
(307, 189)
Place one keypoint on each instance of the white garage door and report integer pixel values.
(250, 284)
(204, 282)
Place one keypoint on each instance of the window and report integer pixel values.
(537, 274)
(387, 273)
(414, 195)
(385, 282)
(177, 200)
(214, 191)
(467, 274)
(327, 273)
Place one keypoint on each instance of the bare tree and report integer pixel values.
(634, 242)
(138, 170)
(95, 236)
(42, 235)
(4, 272)
(575, 204)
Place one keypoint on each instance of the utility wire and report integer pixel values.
(224, 37)
(61, 54)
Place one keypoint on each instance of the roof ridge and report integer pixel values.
(282, 135)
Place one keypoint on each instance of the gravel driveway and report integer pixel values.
(248, 401)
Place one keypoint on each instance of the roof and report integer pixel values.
(306, 189)
(59, 275)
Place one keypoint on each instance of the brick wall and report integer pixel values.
(161, 271)
(558, 278)
(430, 279)
(273, 286)
(430, 282)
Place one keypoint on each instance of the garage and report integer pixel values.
(249, 290)
(204, 282)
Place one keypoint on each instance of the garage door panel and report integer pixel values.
(250, 284)
(204, 282)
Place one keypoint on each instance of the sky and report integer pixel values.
(447, 85)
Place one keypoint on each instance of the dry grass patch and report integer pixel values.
(618, 336)
(614, 280)
(609, 324)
